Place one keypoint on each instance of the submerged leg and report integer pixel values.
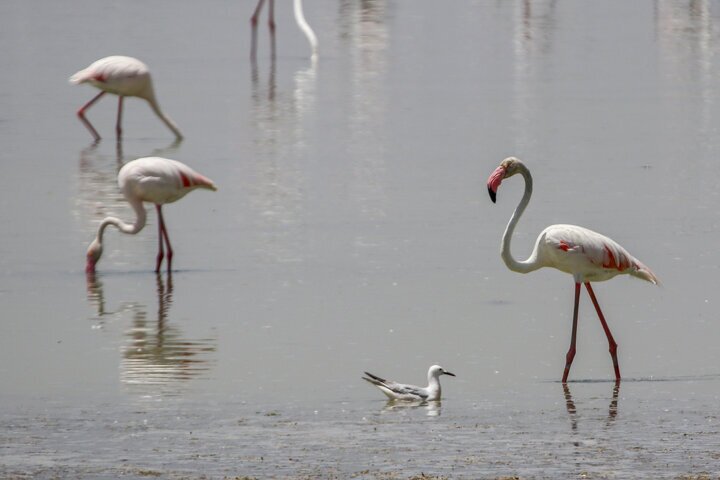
(164, 235)
(81, 115)
(254, 24)
(611, 340)
(161, 251)
(571, 352)
(118, 127)
(271, 26)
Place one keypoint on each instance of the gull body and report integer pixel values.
(404, 392)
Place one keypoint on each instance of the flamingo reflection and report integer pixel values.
(572, 410)
(156, 359)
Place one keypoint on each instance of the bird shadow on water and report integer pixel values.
(432, 409)
(156, 358)
(573, 412)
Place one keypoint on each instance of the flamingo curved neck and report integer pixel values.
(129, 228)
(302, 23)
(165, 119)
(524, 266)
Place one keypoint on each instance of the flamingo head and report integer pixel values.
(94, 252)
(508, 167)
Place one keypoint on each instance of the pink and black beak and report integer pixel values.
(494, 182)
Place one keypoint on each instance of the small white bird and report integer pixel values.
(400, 391)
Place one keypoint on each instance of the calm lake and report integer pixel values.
(352, 231)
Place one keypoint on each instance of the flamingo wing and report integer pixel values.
(589, 255)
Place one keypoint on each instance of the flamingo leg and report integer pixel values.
(163, 235)
(571, 352)
(118, 127)
(271, 26)
(611, 341)
(254, 25)
(86, 122)
(161, 251)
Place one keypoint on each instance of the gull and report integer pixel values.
(400, 391)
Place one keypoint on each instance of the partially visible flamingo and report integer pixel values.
(124, 77)
(587, 255)
(151, 179)
(299, 18)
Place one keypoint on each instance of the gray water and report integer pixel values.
(352, 231)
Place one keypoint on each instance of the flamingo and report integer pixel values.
(400, 391)
(124, 77)
(299, 18)
(151, 179)
(587, 255)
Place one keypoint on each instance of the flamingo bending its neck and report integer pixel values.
(587, 255)
(124, 77)
(151, 179)
(299, 19)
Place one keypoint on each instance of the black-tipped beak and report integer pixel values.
(449, 373)
(493, 195)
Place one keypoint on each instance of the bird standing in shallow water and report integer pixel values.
(587, 255)
(400, 391)
(299, 18)
(155, 180)
(124, 77)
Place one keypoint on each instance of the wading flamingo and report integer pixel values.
(400, 391)
(586, 255)
(155, 180)
(299, 18)
(124, 77)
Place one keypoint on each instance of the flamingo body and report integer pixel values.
(586, 255)
(583, 253)
(122, 76)
(154, 180)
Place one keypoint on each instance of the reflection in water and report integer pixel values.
(156, 359)
(364, 31)
(280, 119)
(433, 408)
(572, 410)
(533, 42)
(686, 35)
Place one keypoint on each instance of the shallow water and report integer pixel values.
(352, 231)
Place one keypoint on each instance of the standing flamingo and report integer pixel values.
(299, 18)
(587, 255)
(151, 179)
(124, 77)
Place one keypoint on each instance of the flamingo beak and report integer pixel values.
(494, 182)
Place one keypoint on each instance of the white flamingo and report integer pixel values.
(401, 391)
(124, 77)
(151, 179)
(299, 18)
(586, 255)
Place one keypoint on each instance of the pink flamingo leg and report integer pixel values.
(81, 115)
(162, 234)
(571, 352)
(254, 24)
(611, 340)
(118, 128)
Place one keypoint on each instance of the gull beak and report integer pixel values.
(449, 373)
